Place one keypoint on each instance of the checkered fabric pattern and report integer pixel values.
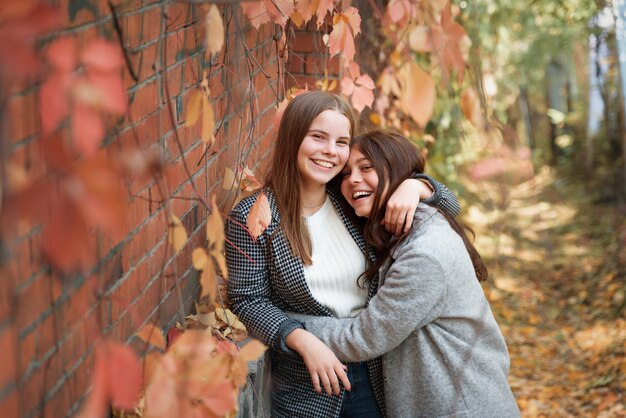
(265, 280)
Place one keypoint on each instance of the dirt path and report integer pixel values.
(558, 278)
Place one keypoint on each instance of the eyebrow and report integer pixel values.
(326, 133)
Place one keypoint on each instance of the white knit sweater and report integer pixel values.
(337, 264)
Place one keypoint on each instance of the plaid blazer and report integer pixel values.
(266, 280)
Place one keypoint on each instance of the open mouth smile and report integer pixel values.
(324, 164)
(360, 195)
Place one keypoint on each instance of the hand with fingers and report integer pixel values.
(402, 205)
(326, 371)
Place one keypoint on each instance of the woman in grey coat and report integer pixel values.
(443, 353)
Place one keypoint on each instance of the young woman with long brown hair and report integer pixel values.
(310, 256)
(443, 353)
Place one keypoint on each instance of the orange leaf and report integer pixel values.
(193, 108)
(215, 228)
(418, 98)
(152, 335)
(341, 39)
(419, 39)
(208, 121)
(252, 350)
(214, 30)
(199, 258)
(208, 281)
(260, 216)
(87, 129)
(215, 236)
(177, 234)
(470, 105)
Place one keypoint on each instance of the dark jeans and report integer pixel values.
(360, 401)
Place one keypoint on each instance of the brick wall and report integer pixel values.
(47, 318)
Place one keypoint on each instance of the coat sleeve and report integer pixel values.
(413, 295)
(249, 289)
(442, 198)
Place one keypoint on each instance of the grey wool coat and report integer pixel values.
(443, 353)
(266, 280)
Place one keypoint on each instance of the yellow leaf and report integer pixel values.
(220, 259)
(207, 281)
(418, 95)
(199, 258)
(260, 216)
(229, 318)
(177, 234)
(215, 228)
(193, 108)
(214, 30)
(470, 105)
(229, 182)
(252, 350)
(152, 335)
(208, 121)
(419, 39)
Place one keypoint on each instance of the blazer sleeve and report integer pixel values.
(442, 198)
(412, 296)
(249, 289)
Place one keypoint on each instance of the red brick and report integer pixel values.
(9, 350)
(9, 406)
(143, 101)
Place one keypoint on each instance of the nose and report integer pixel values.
(355, 177)
(330, 148)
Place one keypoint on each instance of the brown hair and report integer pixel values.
(394, 158)
(284, 177)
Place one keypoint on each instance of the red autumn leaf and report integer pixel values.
(112, 361)
(102, 55)
(260, 12)
(111, 91)
(360, 91)
(418, 99)
(323, 8)
(21, 22)
(260, 216)
(53, 101)
(172, 335)
(400, 11)
(87, 129)
(66, 240)
(96, 189)
(152, 335)
(446, 40)
(61, 54)
(346, 26)
(488, 168)
(219, 398)
(303, 12)
(121, 360)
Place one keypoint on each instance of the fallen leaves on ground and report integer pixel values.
(557, 269)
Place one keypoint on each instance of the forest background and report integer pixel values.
(130, 127)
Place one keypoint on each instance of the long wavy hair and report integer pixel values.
(284, 176)
(394, 158)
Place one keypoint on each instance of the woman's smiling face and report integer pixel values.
(359, 183)
(324, 149)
